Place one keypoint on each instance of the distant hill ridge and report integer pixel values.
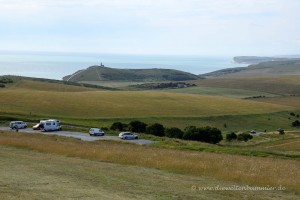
(269, 68)
(102, 73)
(258, 59)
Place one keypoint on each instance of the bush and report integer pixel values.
(244, 137)
(137, 126)
(174, 132)
(292, 114)
(104, 129)
(118, 126)
(231, 136)
(156, 129)
(2, 85)
(296, 123)
(5, 80)
(203, 134)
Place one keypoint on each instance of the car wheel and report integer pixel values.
(91, 134)
(125, 138)
(136, 137)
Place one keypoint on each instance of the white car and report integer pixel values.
(17, 125)
(128, 136)
(96, 131)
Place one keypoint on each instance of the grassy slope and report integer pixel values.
(215, 91)
(44, 86)
(125, 104)
(28, 174)
(272, 68)
(94, 108)
(288, 101)
(247, 170)
(283, 85)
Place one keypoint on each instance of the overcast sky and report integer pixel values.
(197, 27)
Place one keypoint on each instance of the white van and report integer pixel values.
(17, 125)
(50, 125)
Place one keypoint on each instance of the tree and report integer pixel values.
(244, 137)
(292, 114)
(296, 123)
(174, 132)
(203, 134)
(137, 126)
(118, 126)
(231, 136)
(156, 129)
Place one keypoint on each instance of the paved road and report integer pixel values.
(82, 136)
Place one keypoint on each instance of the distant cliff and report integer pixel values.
(267, 68)
(256, 59)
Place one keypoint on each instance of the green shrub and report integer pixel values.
(118, 126)
(231, 136)
(244, 137)
(203, 134)
(296, 123)
(174, 132)
(156, 129)
(137, 126)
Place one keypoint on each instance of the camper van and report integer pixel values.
(50, 125)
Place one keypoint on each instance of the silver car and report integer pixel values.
(96, 132)
(17, 125)
(128, 136)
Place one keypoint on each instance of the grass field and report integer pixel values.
(215, 91)
(287, 101)
(27, 174)
(44, 86)
(223, 167)
(281, 85)
(101, 104)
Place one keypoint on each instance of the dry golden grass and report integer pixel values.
(287, 101)
(290, 144)
(245, 169)
(98, 104)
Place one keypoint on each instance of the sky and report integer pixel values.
(160, 27)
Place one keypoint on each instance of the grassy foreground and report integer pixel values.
(241, 169)
(26, 174)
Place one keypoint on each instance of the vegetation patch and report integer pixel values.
(250, 170)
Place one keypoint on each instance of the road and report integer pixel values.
(79, 135)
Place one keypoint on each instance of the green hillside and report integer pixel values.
(280, 85)
(101, 73)
(271, 68)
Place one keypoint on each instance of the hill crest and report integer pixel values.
(102, 73)
(269, 68)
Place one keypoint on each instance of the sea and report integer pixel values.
(53, 65)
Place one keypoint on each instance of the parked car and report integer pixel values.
(128, 136)
(96, 132)
(17, 125)
(38, 126)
